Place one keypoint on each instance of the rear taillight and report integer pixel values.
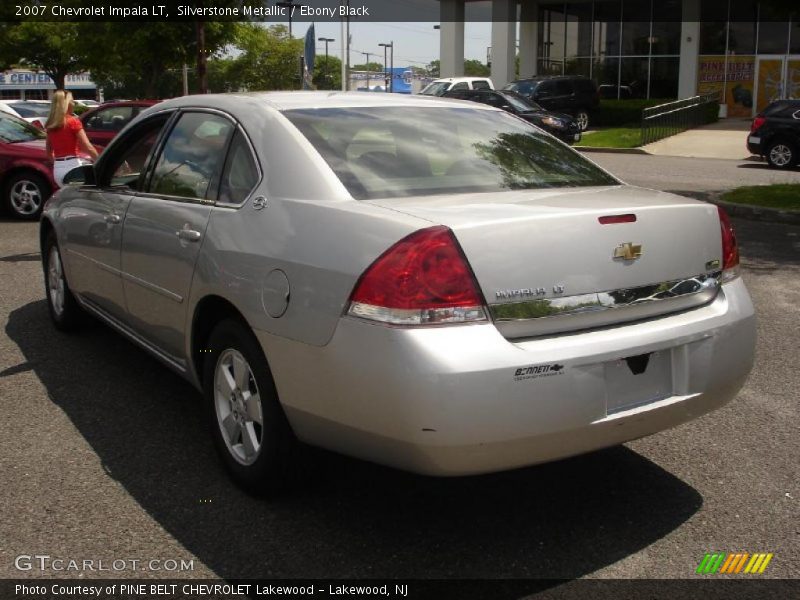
(730, 249)
(757, 123)
(424, 279)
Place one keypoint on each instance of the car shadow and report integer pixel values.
(348, 518)
(26, 257)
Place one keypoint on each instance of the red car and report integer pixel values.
(107, 120)
(26, 175)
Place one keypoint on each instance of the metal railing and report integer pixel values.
(668, 119)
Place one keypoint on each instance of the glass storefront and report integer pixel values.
(629, 47)
(748, 55)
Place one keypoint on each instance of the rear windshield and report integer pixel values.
(13, 129)
(525, 88)
(436, 88)
(26, 109)
(393, 151)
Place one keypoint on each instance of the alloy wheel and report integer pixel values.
(238, 407)
(780, 155)
(55, 281)
(26, 197)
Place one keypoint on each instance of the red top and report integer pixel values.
(64, 141)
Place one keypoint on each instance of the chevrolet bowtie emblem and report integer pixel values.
(628, 251)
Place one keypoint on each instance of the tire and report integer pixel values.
(239, 391)
(24, 195)
(65, 312)
(781, 154)
(582, 119)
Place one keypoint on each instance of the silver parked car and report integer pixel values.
(433, 285)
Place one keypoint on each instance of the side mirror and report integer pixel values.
(83, 175)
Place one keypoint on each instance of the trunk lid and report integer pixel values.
(546, 264)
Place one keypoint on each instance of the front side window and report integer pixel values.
(192, 158)
(407, 151)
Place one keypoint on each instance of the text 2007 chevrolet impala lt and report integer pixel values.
(429, 284)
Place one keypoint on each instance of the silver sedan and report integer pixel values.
(429, 284)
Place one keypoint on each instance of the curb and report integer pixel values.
(611, 150)
(756, 213)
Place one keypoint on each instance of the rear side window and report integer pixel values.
(562, 88)
(191, 161)
(462, 85)
(110, 119)
(480, 84)
(240, 175)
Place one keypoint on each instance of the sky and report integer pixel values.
(415, 44)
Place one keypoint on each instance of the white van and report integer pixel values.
(440, 86)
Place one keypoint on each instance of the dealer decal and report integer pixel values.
(537, 371)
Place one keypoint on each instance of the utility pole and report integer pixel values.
(202, 73)
(388, 83)
(326, 40)
(367, 54)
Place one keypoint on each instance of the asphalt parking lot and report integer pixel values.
(104, 455)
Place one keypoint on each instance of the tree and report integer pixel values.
(268, 59)
(475, 68)
(434, 68)
(53, 48)
(328, 77)
(370, 66)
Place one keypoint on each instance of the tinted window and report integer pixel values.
(436, 88)
(492, 99)
(405, 151)
(110, 119)
(462, 85)
(525, 88)
(14, 129)
(562, 88)
(480, 84)
(192, 157)
(241, 173)
(31, 109)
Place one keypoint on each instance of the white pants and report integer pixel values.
(62, 167)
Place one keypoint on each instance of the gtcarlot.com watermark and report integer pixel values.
(44, 563)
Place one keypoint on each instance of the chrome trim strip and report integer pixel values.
(95, 262)
(152, 287)
(700, 289)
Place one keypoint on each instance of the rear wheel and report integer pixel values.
(25, 195)
(582, 119)
(781, 154)
(64, 310)
(250, 430)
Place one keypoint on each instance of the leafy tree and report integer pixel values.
(434, 68)
(268, 59)
(370, 66)
(327, 77)
(53, 48)
(475, 68)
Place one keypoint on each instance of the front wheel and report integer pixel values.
(250, 430)
(64, 310)
(25, 195)
(582, 119)
(781, 155)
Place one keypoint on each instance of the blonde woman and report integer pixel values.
(66, 137)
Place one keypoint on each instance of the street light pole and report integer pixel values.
(326, 40)
(387, 83)
(367, 54)
(290, 5)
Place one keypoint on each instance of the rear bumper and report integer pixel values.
(450, 400)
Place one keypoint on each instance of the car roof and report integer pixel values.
(302, 100)
(550, 78)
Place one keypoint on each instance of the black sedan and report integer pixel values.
(775, 134)
(560, 125)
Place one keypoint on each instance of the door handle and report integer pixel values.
(190, 235)
(112, 218)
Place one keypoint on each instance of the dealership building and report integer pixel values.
(21, 84)
(740, 49)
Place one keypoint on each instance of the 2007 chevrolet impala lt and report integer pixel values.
(429, 284)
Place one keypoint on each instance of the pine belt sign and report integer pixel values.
(18, 79)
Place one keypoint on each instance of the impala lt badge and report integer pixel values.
(628, 251)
